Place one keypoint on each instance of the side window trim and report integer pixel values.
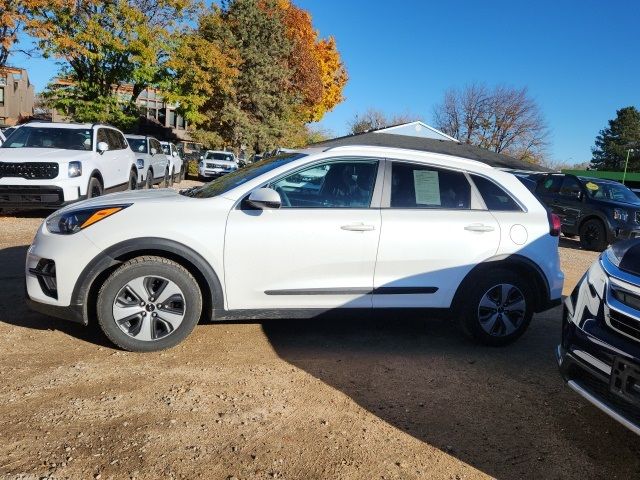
(476, 202)
(377, 188)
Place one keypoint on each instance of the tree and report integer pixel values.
(102, 44)
(614, 141)
(374, 119)
(504, 120)
(13, 14)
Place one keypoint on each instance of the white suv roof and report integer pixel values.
(63, 125)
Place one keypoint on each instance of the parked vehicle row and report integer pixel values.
(49, 165)
(600, 212)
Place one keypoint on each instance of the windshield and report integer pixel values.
(138, 144)
(45, 137)
(219, 156)
(610, 191)
(235, 179)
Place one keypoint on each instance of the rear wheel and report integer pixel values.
(497, 309)
(593, 235)
(149, 303)
(95, 188)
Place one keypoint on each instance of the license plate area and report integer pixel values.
(625, 380)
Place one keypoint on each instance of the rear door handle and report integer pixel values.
(479, 227)
(358, 227)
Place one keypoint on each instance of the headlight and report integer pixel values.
(620, 214)
(140, 164)
(73, 221)
(75, 169)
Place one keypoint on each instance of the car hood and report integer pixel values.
(135, 196)
(41, 155)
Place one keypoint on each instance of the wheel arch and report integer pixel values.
(514, 262)
(89, 281)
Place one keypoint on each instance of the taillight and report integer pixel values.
(554, 224)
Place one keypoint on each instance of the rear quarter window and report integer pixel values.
(494, 196)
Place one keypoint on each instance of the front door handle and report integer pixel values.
(358, 227)
(479, 227)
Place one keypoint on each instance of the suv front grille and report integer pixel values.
(29, 170)
(625, 324)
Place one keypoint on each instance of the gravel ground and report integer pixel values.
(399, 398)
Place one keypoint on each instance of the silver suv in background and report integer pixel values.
(48, 165)
(152, 163)
(217, 163)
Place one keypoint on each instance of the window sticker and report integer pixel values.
(592, 186)
(548, 184)
(427, 187)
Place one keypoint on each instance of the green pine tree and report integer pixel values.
(613, 142)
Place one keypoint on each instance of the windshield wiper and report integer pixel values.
(190, 192)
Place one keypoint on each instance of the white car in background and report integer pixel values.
(388, 229)
(176, 164)
(152, 163)
(216, 163)
(47, 165)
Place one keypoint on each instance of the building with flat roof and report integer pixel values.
(17, 95)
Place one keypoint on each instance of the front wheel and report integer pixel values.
(165, 181)
(149, 183)
(95, 188)
(183, 173)
(133, 180)
(149, 303)
(497, 307)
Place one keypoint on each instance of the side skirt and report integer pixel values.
(332, 313)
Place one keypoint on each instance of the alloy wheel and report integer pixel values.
(502, 310)
(149, 308)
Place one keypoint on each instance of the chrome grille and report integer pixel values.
(30, 171)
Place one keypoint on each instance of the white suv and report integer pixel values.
(176, 165)
(47, 165)
(152, 163)
(216, 163)
(300, 235)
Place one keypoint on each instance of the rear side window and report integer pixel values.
(551, 184)
(422, 186)
(495, 198)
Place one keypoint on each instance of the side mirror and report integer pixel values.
(265, 198)
(153, 151)
(103, 147)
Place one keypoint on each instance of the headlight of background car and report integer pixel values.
(73, 221)
(75, 169)
(140, 164)
(620, 214)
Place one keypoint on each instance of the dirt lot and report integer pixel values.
(292, 399)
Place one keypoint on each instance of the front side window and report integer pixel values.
(423, 186)
(495, 198)
(62, 138)
(570, 187)
(336, 184)
(138, 144)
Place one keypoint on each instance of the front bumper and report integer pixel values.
(597, 361)
(213, 172)
(36, 196)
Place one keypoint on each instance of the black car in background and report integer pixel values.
(599, 356)
(600, 212)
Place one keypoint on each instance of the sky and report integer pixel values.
(578, 59)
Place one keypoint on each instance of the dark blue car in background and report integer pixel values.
(599, 356)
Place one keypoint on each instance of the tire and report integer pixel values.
(133, 180)
(484, 315)
(165, 180)
(149, 183)
(172, 178)
(133, 319)
(593, 235)
(183, 173)
(95, 188)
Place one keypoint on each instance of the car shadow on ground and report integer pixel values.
(13, 307)
(572, 243)
(503, 410)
